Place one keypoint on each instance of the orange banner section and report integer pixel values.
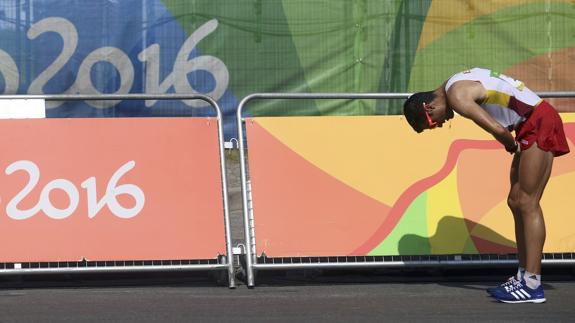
(355, 186)
(110, 189)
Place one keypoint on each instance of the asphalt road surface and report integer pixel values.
(278, 297)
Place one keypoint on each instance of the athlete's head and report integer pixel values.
(426, 110)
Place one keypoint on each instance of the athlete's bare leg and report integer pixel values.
(534, 170)
(513, 205)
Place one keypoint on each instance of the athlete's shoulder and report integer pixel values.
(473, 74)
(466, 90)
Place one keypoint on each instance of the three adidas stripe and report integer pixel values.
(520, 294)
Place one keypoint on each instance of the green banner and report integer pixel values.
(380, 46)
(230, 48)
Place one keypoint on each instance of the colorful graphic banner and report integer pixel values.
(110, 189)
(342, 186)
(229, 49)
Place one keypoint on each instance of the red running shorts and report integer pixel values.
(545, 127)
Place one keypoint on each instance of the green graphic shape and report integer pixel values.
(255, 43)
(341, 45)
(410, 236)
(497, 41)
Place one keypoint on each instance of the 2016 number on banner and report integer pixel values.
(94, 205)
(150, 57)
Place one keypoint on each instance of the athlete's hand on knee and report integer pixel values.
(513, 149)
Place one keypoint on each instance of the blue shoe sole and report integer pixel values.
(537, 301)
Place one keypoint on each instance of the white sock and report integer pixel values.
(532, 280)
(520, 273)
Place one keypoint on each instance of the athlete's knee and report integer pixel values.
(513, 203)
(526, 203)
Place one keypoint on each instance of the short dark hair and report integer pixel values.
(413, 109)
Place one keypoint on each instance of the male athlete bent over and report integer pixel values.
(500, 105)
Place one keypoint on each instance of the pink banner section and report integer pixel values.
(355, 186)
(110, 189)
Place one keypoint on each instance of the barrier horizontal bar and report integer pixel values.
(340, 96)
(560, 94)
(82, 97)
(217, 110)
(403, 264)
(251, 261)
(114, 269)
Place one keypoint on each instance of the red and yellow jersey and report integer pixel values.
(507, 100)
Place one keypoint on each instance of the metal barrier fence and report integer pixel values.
(252, 261)
(222, 262)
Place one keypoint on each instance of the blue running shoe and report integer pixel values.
(509, 282)
(520, 293)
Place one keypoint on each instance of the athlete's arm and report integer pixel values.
(463, 96)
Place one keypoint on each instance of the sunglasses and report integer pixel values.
(432, 124)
